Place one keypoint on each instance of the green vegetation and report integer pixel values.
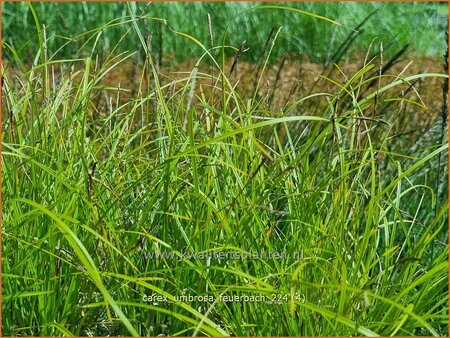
(421, 25)
(105, 191)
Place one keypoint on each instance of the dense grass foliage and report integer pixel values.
(419, 25)
(104, 196)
